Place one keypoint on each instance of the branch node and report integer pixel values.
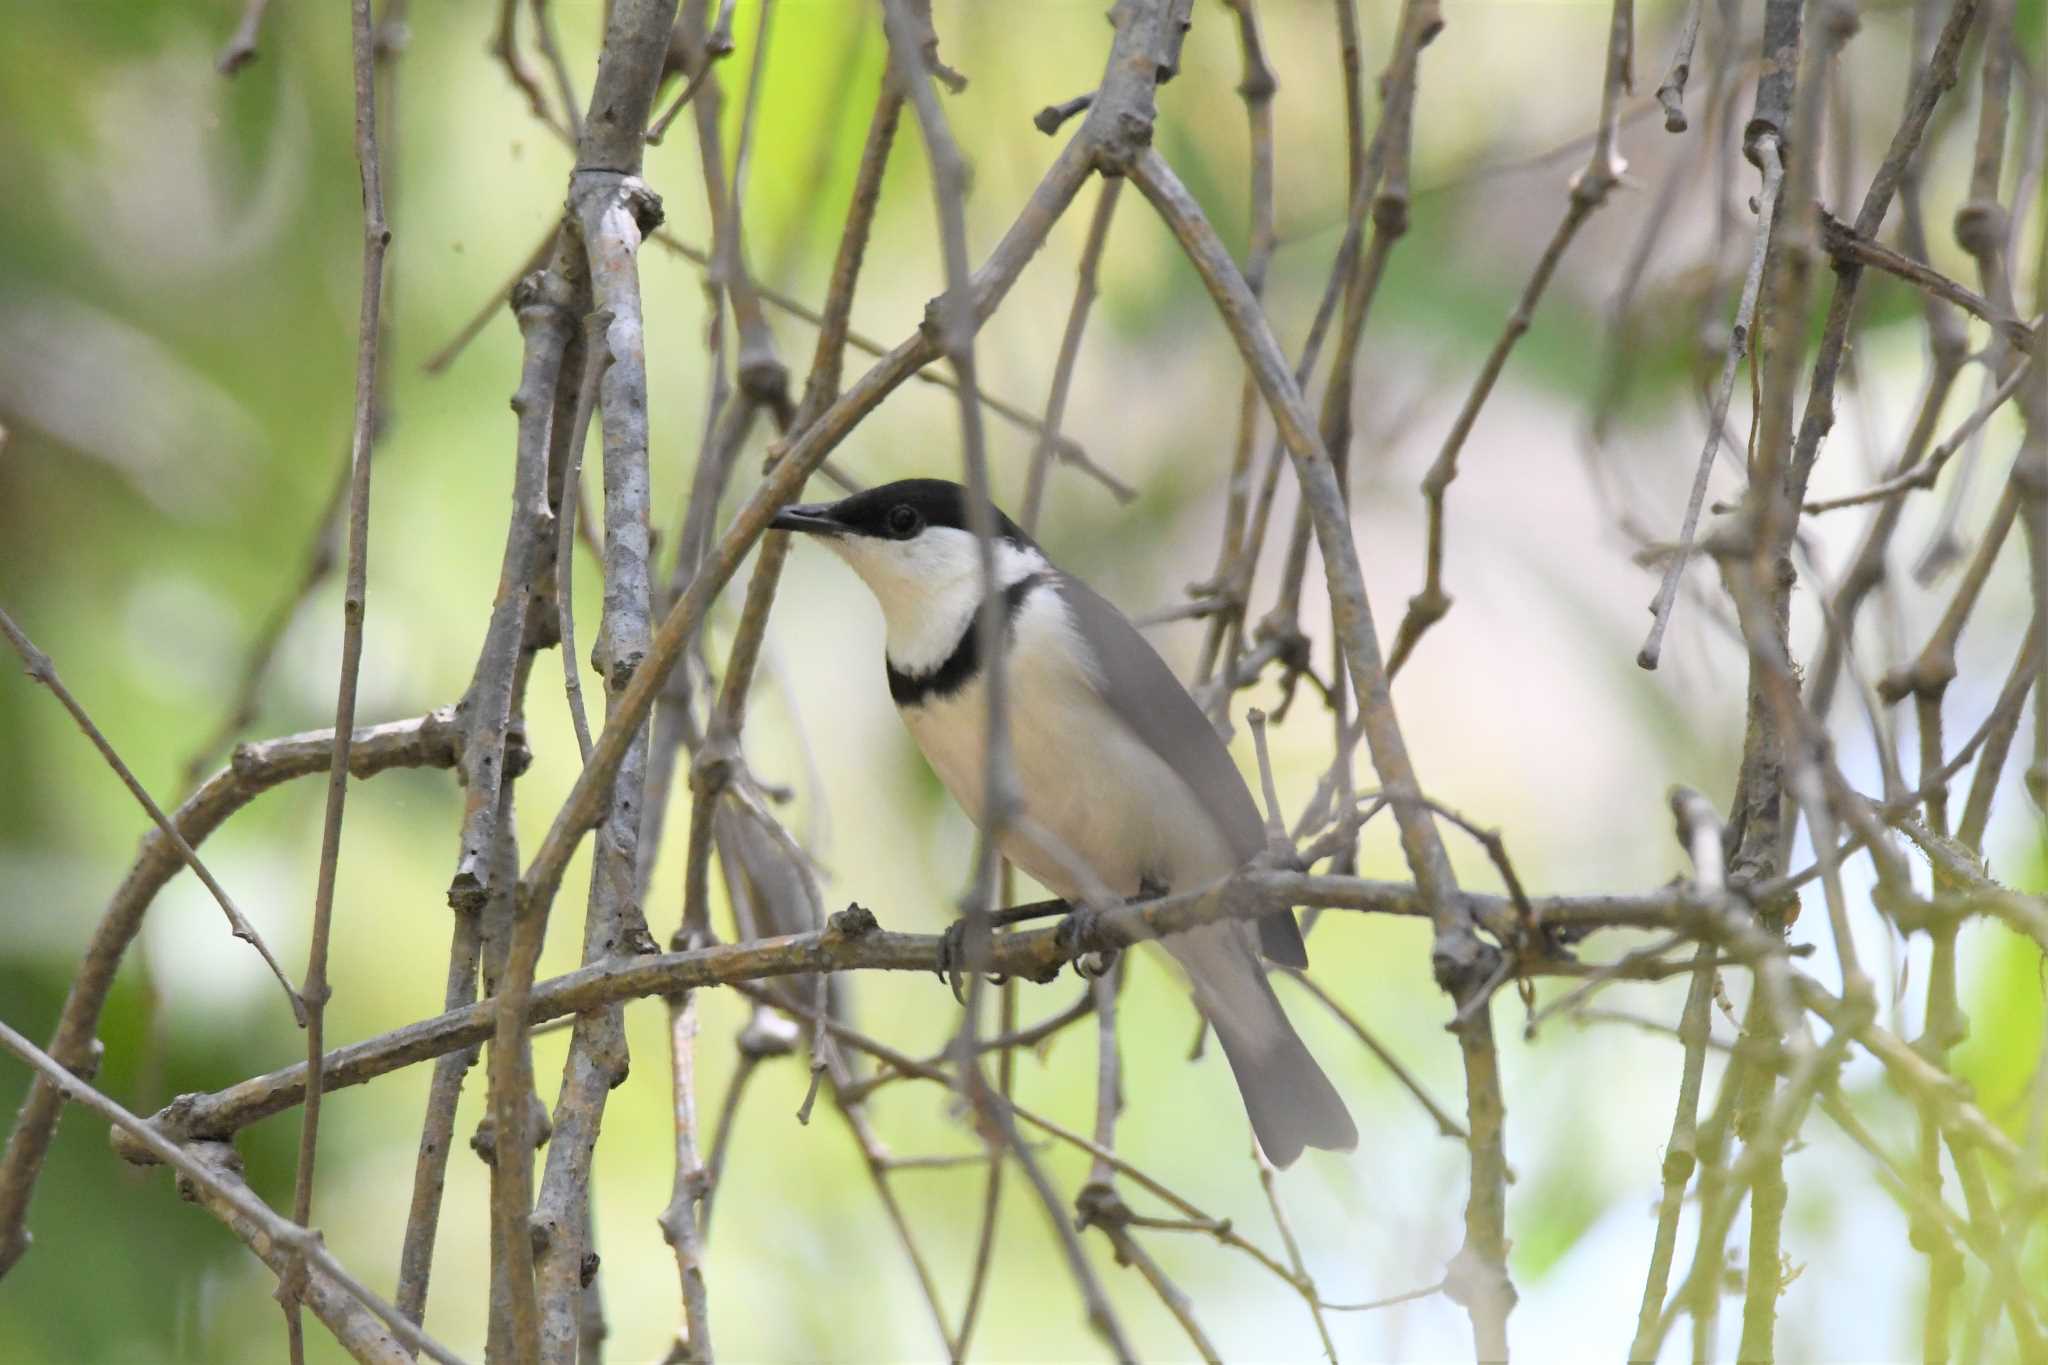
(1981, 227)
(1049, 119)
(854, 922)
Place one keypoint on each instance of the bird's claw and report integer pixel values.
(1081, 936)
(952, 957)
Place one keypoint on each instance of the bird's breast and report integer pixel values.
(1091, 787)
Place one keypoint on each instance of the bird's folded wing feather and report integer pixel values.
(1141, 691)
(1144, 694)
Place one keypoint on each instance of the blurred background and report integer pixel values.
(179, 258)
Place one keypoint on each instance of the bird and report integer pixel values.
(1115, 766)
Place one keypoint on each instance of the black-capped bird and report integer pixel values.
(1114, 762)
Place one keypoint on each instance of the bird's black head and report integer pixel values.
(900, 511)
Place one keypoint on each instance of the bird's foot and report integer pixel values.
(1099, 1205)
(1088, 941)
(953, 958)
(953, 964)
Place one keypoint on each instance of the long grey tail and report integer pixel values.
(1291, 1102)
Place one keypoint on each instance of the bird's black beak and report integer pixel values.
(811, 518)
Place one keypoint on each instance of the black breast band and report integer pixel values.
(959, 667)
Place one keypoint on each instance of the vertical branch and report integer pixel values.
(1269, 1182)
(1257, 88)
(828, 361)
(613, 209)
(1589, 190)
(1772, 172)
(1817, 416)
(1945, 1027)
(376, 238)
(544, 494)
(1983, 227)
(1671, 94)
(1700, 1294)
(2001, 727)
(505, 47)
(1048, 443)
(679, 1222)
(1465, 966)
(1758, 811)
(596, 359)
(728, 423)
(992, 1189)
(241, 48)
(551, 51)
(763, 378)
(437, 1132)
(956, 326)
(546, 304)
(1384, 167)
(1700, 831)
(685, 1220)
(1948, 348)
(1787, 123)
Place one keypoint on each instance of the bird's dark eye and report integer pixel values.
(904, 522)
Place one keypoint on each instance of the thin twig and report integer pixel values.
(242, 48)
(1463, 964)
(303, 1243)
(1844, 243)
(596, 359)
(1772, 171)
(1070, 349)
(38, 666)
(1589, 190)
(1699, 829)
(551, 52)
(717, 46)
(1923, 473)
(376, 237)
(1270, 1185)
(1671, 94)
(426, 741)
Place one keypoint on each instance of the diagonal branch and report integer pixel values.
(1589, 190)
(295, 1244)
(38, 666)
(430, 741)
(1464, 964)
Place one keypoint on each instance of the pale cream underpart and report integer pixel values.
(1099, 794)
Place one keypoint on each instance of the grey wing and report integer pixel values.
(1143, 693)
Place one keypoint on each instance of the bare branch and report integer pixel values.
(242, 48)
(427, 741)
(376, 237)
(1589, 190)
(1772, 172)
(1844, 243)
(38, 666)
(297, 1243)
(1048, 445)
(1671, 94)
